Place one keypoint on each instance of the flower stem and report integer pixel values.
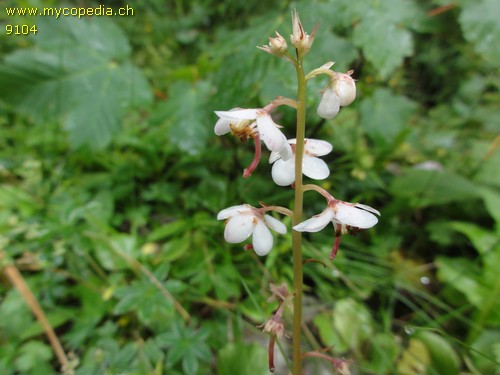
(297, 217)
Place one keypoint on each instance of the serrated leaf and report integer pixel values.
(384, 115)
(84, 81)
(95, 127)
(100, 36)
(189, 128)
(33, 354)
(190, 363)
(479, 21)
(381, 32)
(384, 44)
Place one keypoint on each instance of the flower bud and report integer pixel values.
(345, 87)
(277, 46)
(301, 40)
(329, 105)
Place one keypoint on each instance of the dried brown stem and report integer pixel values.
(17, 280)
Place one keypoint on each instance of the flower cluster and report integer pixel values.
(257, 124)
(290, 159)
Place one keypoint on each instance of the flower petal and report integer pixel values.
(262, 239)
(367, 208)
(345, 87)
(275, 155)
(283, 172)
(286, 152)
(317, 147)
(275, 224)
(233, 210)
(222, 126)
(329, 105)
(315, 168)
(270, 134)
(239, 114)
(239, 228)
(317, 222)
(348, 214)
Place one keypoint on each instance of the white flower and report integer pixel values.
(329, 105)
(354, 215)
(340, 92)
(345, 87)
(345, 217)
(245, 221)
(245, 123)
(283, 171)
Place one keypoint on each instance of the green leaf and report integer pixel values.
(346, 327)
(33, 354)
(190, 363)
(384, 352)
(485, 354)
(381, 32)
(190, 126)
(444, 359)
(175, 227)
(479, 21)
(430, 187)
(385, 53)
(385, 115)
(415, 359)
(488, 161)
(242, 359)
(491, 198)
(459, 273)
(482, 239)
(55, 318)
(76, 79)
(15, 315)
(12, 197)
(184, 345)
(99, 36)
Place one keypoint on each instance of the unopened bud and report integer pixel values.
(345, 87)
(277, 46)
(329, 105)
(300, 39)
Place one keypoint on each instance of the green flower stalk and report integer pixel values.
(292, 159)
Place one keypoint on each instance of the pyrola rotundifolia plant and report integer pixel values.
(292, 159)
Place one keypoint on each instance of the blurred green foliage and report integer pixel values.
(111, 179)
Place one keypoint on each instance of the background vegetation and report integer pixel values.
(111, 179)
